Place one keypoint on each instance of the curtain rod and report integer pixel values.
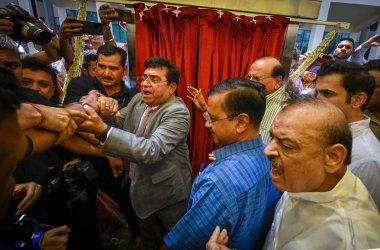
(341, 25)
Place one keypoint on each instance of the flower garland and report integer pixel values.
(313, 55)
(75, 68)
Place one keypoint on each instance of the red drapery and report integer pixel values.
(228, 45)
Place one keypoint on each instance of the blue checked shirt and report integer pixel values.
(233, 192)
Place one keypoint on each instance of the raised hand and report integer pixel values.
(197, 98)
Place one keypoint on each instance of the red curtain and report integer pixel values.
(228, 45)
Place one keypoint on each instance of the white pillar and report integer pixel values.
(317, 31)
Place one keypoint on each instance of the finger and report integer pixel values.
(223, 237)
(115, 107)
(80, 114)
(190, 88)
(61, 137)
(90, 112)
(215, 234)
(190, 97)
(32, 194)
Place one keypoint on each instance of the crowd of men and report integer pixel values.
(298, 165)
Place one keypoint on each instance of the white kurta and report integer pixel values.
(343, 218)
(365, 160)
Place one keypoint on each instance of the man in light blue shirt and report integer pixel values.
(235, 191)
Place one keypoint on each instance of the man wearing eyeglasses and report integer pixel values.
(152, 141)
(268, 71)
(235, 190)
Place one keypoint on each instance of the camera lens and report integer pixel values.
(33, 33)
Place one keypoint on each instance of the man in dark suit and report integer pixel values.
(153, 138)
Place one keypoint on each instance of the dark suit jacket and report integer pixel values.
(162, 175)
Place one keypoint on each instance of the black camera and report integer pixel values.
(73, 180)
(22, 233)
(25, 29)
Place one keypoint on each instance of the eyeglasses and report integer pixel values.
(257, 78)
(208, 118)
(149, 79)
(10, 65)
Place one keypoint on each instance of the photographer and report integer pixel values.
(40, 34)
(15, 146)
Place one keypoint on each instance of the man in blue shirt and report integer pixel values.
(235, 191)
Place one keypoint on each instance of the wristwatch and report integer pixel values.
(103, 135)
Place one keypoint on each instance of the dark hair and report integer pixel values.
(372, 65)
(109, 50)
(36, 64)
(355, 79)
(348, 39)
(87, 59)
(296, 54)
(278, 70)
(9, 91)
(243, 96)
(160, 62)
(334, 130)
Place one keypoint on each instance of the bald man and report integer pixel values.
(324, 206)
(268, 71)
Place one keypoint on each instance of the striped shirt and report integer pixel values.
(274, 104)
(233, 192)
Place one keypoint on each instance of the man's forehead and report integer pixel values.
(345, 43)
(8, 55)
(37, 75)
(109, 59)
(155, 71)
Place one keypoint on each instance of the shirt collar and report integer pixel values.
(359, 126)
(238, 147)
(280, 93)
(339, 191)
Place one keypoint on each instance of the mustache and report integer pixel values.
(273, 160)
(107, 77)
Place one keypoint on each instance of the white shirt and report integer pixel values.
(343, 218)
(365, 160)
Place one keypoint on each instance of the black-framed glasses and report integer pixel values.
(150, 79)
(257, 78)
(208, 118)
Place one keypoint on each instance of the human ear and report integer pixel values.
(172, 88)
(334, 158)
(242, 123)
(358, 99)
(278, 82)
(85, 71)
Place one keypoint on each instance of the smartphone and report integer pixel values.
(90, 28)
(124, 15)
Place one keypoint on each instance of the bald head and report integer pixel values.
(310, 147)
(268, 71)
(322, 116)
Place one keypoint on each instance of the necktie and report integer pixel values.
(139, 133)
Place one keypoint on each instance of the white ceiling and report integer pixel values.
(360, 16)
